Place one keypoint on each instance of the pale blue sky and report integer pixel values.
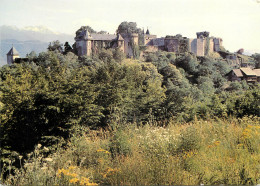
(236, 21)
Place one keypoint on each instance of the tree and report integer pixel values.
(67, 48)
(90, 30)
(257, 60)
(43, 103)
(31, 55)
(128, 27)
(118, 55)
(129, 92)
(55, 46)
(188, 62)
(102, 32)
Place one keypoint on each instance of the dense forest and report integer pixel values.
(102, 119)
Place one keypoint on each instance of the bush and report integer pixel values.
(189, 140)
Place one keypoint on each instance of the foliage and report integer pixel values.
(257, 60)
(201, 152)
(55, 45)
(128, 27)
(90, 30)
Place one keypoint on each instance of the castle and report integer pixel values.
(88, 43)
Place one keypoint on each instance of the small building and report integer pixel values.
(251, 76)
(12, 55)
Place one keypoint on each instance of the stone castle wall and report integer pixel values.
(148, 39)
(193, 45)
(200, 47)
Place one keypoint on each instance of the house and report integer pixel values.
(251, 76)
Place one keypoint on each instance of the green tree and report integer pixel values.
(128, 27)
(127, 91)
(90, 30)
(45, 102)
(55, 46)
(257, 60)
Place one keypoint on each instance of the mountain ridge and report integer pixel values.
(27, 39)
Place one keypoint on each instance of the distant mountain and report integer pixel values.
(39, 33)
(28, 39)
(250, 52)
(23, 47)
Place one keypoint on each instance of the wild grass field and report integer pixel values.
(200, 152)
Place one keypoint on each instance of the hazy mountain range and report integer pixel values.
(28, 39)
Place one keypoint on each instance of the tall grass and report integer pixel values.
(201, 152)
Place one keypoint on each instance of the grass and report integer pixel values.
(201, 152)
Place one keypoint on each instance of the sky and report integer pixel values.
(237, 22)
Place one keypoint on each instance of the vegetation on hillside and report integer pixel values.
(88, 120)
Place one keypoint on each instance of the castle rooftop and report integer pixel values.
(105, 37)
(13, 52)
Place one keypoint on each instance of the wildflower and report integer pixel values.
(102, 150)
(72, 167)
(74, 180)
(39, 146)
(72, 174)
(49, 159)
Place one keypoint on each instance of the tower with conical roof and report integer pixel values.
(11, 55)
(147, 31)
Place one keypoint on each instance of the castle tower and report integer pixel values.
(217, 44)
(120, 43)
(130, 40)
(200, 46)
(148, 38)
(83, 43)
(11, 55)
(135, 38)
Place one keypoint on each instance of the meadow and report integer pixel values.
(210, 152)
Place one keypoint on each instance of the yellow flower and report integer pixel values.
(72, 167)
(74, 180)
(102, 150)
(73, 174)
